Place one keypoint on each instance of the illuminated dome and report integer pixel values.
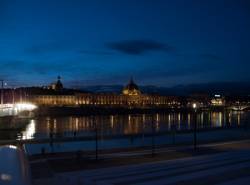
(131, 89)
(57, 86)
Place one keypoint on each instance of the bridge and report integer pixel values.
(239, 107)
(14, 109)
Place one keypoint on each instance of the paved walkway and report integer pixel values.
(226, 168)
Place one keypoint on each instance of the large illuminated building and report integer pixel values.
(131, 96)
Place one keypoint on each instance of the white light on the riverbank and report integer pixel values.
(194, 105)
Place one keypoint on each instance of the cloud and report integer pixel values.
(138, 47)
(131, 47)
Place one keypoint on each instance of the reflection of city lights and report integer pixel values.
(220, 119)
(30, 130)
(238, 118)
(216, 120)
(189, 119)
(126, 124)
(112, 121)
(157, 126)
(202, 117)
(179, 121)
(54, 124)
(48, 122)
(77, 124)
(143, 118)
(229, 118)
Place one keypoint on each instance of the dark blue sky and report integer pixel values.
(158, 42)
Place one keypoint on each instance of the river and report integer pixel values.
(132, 129)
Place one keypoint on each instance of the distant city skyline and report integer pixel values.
(95, 42)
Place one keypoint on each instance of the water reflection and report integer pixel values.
(30, 130)
(216, 119)
(128, 124)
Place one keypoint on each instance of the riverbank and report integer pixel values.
(96, 110)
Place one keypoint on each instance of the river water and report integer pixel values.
(130, 130)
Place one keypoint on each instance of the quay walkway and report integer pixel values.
(224, 168)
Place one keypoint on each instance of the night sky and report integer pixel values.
(163, 43)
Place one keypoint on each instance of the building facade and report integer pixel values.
(131, 96)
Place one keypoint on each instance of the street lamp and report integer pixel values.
(194, 106)
(195, 126)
